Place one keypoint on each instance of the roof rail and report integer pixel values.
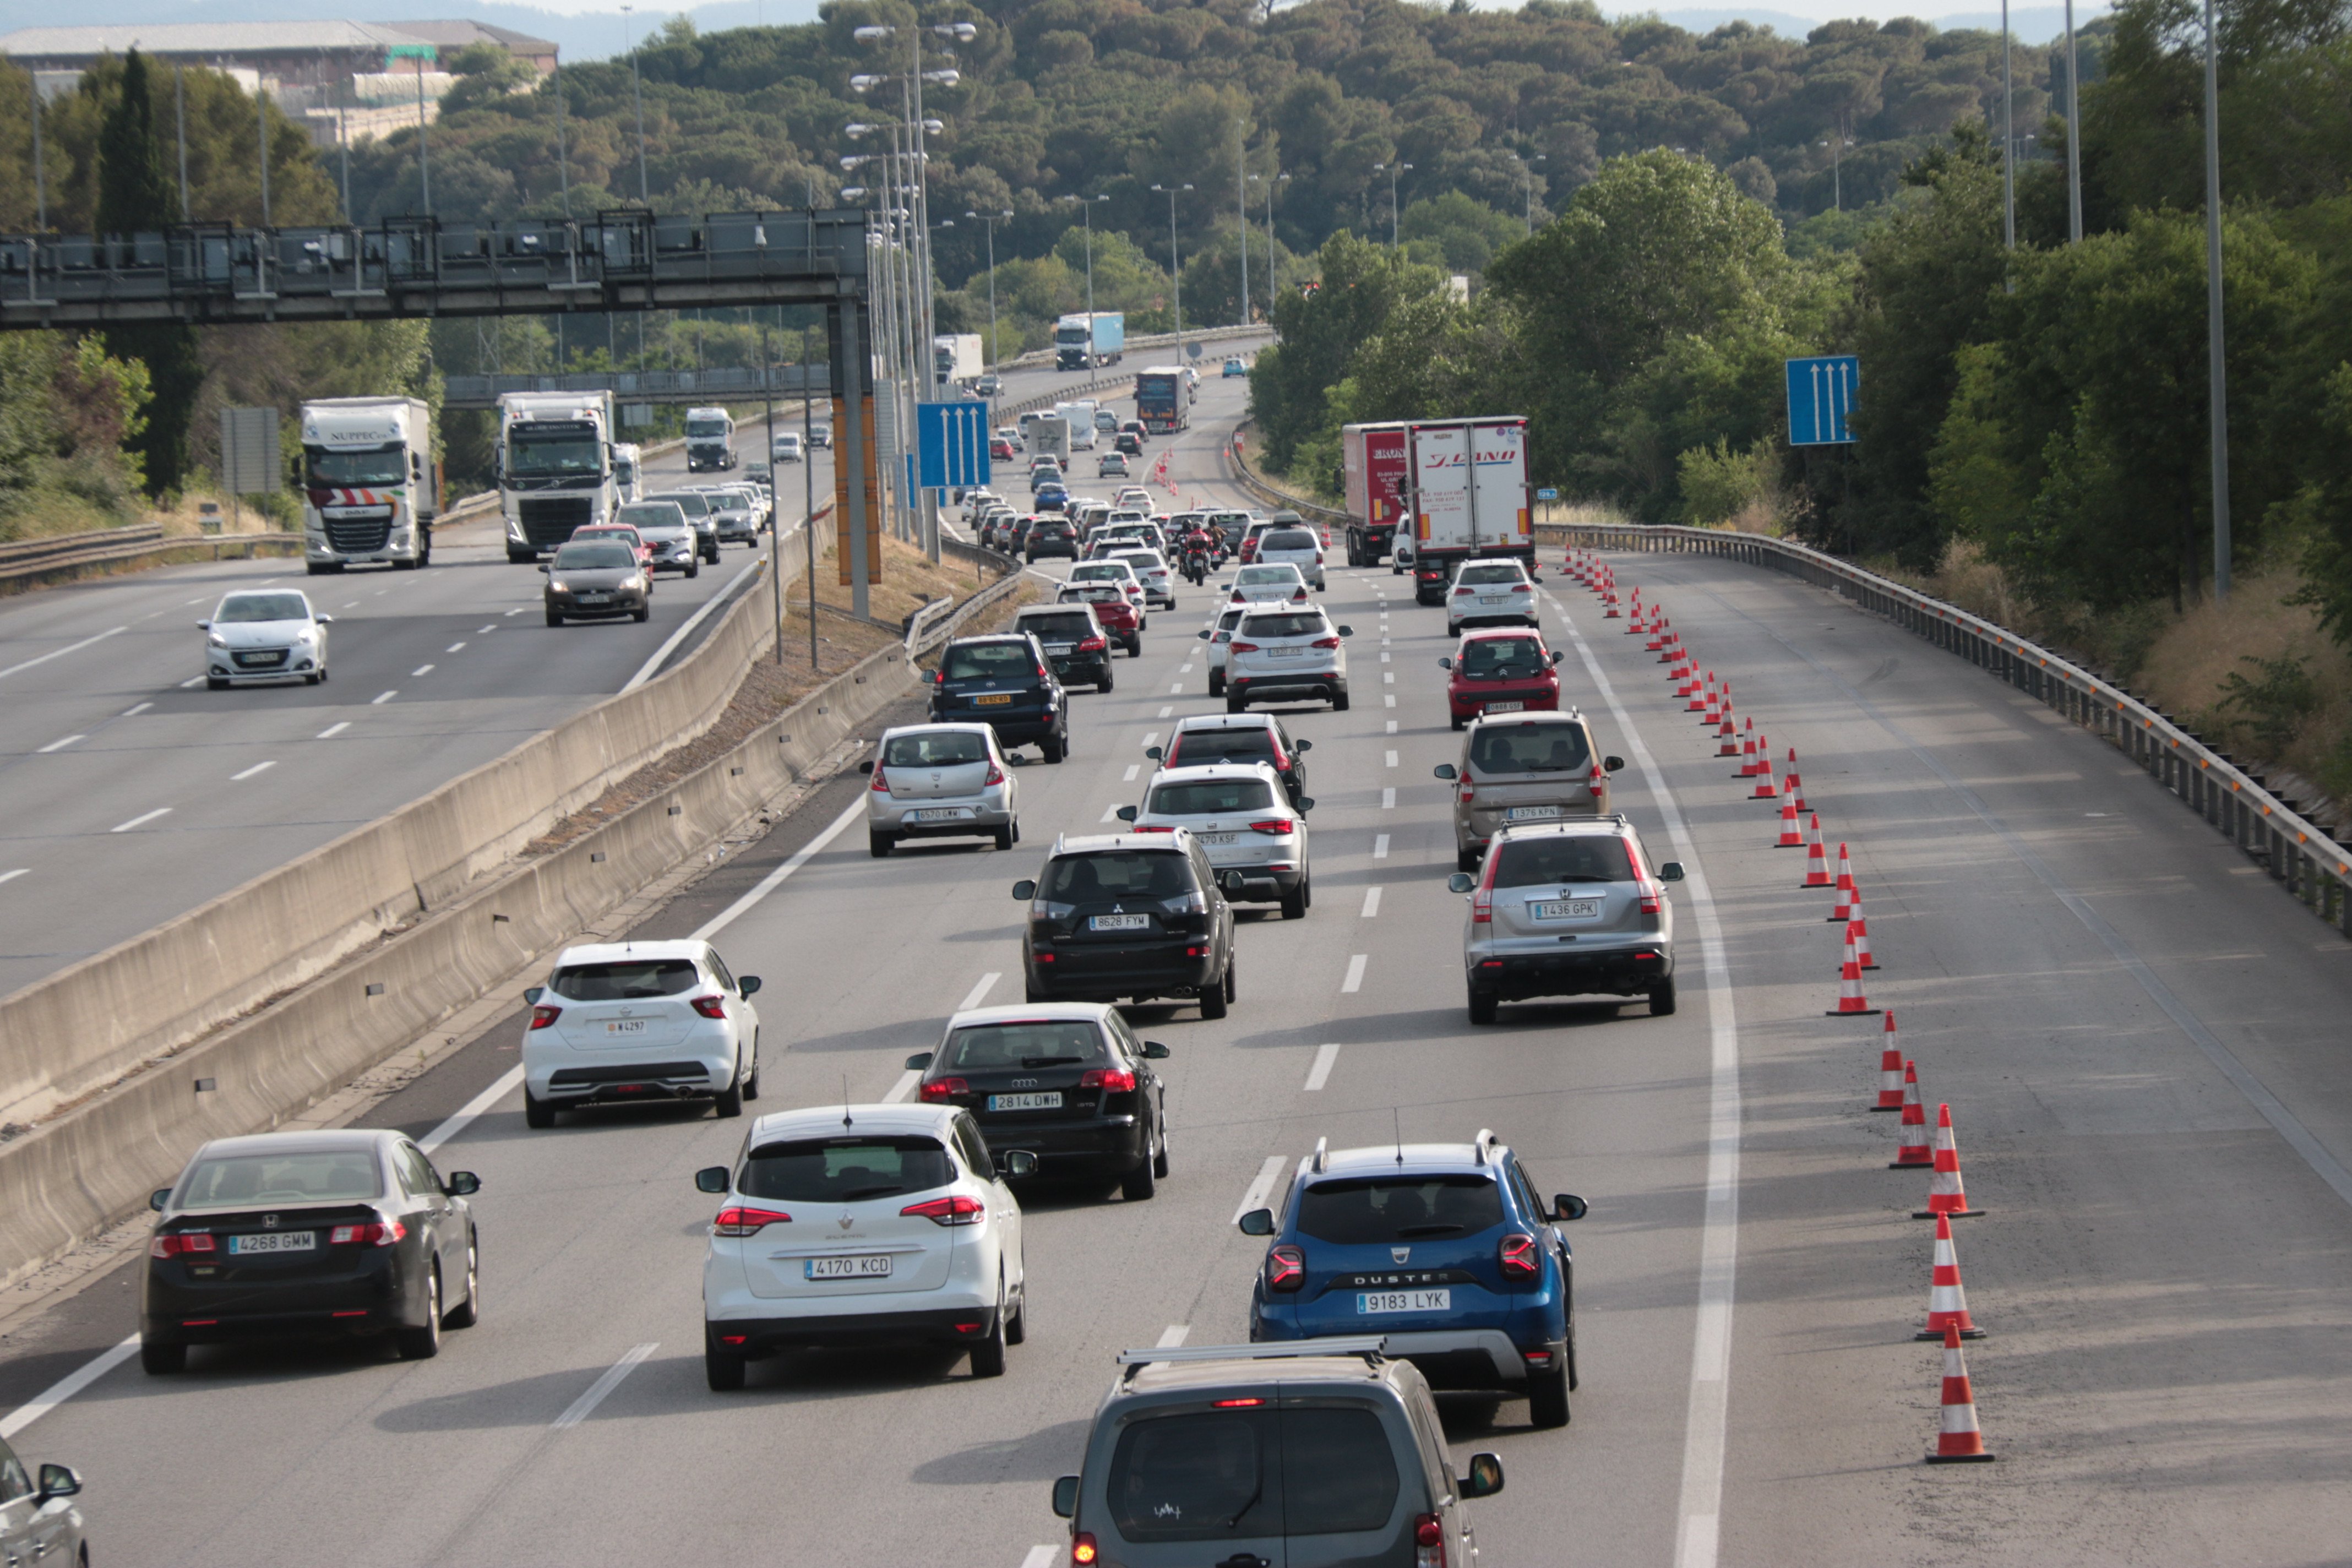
(1369, 1346)
(1484, 1144)
(1321, 1160)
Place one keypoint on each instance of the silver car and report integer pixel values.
(1522, 768)
(1291, 653)
(265, 634)
(1568, 909)
(39, 1520)
(701, 507)
(1151, 570)
(739, 511)
(940, 781)
(1240, 814)
(1294, 546)
(662, 525)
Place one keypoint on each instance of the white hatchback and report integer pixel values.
(625, 1023)
(265, 634)
(1288, 653)
(1298, 547)
(1242, 817)
(933, 781)
(1285, 581)
(1485, 592)
(860, 1225)
(1118, 572)
(1151, 570)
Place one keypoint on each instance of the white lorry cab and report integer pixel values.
(370, 489)
(710, 440)
(555, 466)
(628, 472)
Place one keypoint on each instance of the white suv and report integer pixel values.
(624, 1023)
(1296, 546)
(1490, 591)
(1219, 637)
(1293, 653)
(1242, 817)
(853, 1224)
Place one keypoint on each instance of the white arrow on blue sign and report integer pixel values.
(1820, 397)
(951, 445)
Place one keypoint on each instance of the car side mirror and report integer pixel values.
(1305, 804)
(711, 1179)
(1566, 1207)
(1614, 764)
(462, 1185)
(1125, 814)
(747, 984)
(1257, 1222)
(919, 1060)
(1444, 770)
(158, 1198)
(1485, 1476)
(1304, 746)
(1461, 882)
(1017, 1163)
(1154, 753)
(324, 620)
(1024, 890)
(1557, 656)
(1204, 633)
(1231, 882)
(546, 566)
(1346, 631)
(1671, 871)
(866, 766)
(1065, 1496)
(1155, 1051)
(1446, 663)
(58, 1480)
(532, 994)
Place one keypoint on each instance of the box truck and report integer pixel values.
(958, 357)
(555, 466)
(1161, 399)
(1084, 341)
(710, 440)
(1467, 494)
(1080, 417)
(1374, 465)
(369, 487)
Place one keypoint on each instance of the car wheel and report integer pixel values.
(722, 1369)
(1468, 860)
(1106, 682)
(1216, 683)
(1482, 1006)
(878, 843)
(643, 612)
(423, 1343)
(1016, 1327)
(1214, 999)
(1456, 720)
(1294, 903)
(752, 1083)
(311, 679)
(1053, 747)
(1159, 1159)
(468, 1312)
(215, 683)
(1661, 997)
(1548, 1395)
(988, 1356)
(553, 619)
(729, 1101)
(1004, 836)
(1135, 643)
(537, 1113)
(693, 570)
(1236, 702)
(1138, 1184)
(160, 1358)
(1339, 702)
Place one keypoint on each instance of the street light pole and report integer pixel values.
(2216, 371)
(2073, 136)
(1175, 265)
(2008, 138)
(637, 95)
(1393, 170)
(1240, 201)
(991, 220)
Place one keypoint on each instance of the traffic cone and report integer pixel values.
(1792, 836)
(1890, 1070)
(1726, 733)
(1859, 933)
(1844, 907)
(1944, 1193)
(1912, 1151)
(1748, 753)
(1947, 1300)
(1670, 649)
(1852, 1003)
(1712, 714)
(1765, 788)
(1817, 860)
(1634, 627)
(1790, 781)
(1657, 630)
(1609, 602)
(1958, 1441)
(1687, 685)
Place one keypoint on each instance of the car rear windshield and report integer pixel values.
(626, 979)
(1028, 1043)
(1285, 625)
(1144, 559)
(1103, 571)
(666, 515)
(1065, 624)
(1364, 1211)
(264, 607)
(1200, 747)
(1118, 874)
(319, 1176)
(592, 557)
(1252, 575)
(1502, 656)
(1530, 749)
(985, 660)
(694, 502)
(844, 1170)
(1287, 539)
(1208, 797)
(1580, 858)
(934, 748)
(1242, 1474)
(1488, 574)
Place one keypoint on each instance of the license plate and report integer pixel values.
(1061, 649)
(1217, 840)
(943, 814)
(1286, 653)
(275, 1241)
(593, 599)
(625, 1026)
(1504, 707)
(1532, 813)
(1405, 1301)
(1490, 598)
(845, 1268)
(993, 698)
(1118, 922)
(1566, 909)
(1049, 1101)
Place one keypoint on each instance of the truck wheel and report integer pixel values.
(407, 565)
(323, 568)
(1482, 1006)
(522, 557)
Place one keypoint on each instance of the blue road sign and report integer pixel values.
(951, 445)
(1548, 493)
(1821, 395)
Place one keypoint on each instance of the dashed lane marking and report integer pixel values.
(137, 821)
(59, 746)
(1253, 1197)
(258, 768)
(382, 698)
(1320, 1073)
(332, 731)
(1371, 902)
(1355, 980)
(1381, 848)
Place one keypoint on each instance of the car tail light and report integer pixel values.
(1236, 1404)
(1082, 1549)
(1520, 1260)
(542, 1015)
(995, 776)
(1327, 642)
(1111, 1081)
(943, 1090)
(1276, 826)
(940, 676)
(1092, 645)
(1458, 592)
(181, 1243)
(1428, 1540)
(1298, 596)
(1482, 908)
(1652, 895)
(710, 1006)
(376, 1233)
(1151, 827)
(956, 1209)
(1523, 588)
(881, 782)
(743, 1219)
(1240, 646)
(1469, 790)
(1285, 1269)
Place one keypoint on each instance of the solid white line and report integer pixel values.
(257, 768)
(1391, 758)
(1371, 902)
(382, 698)
(986, 983)
(1267, 1174)
(1174, 1334)
(66, 1387)
(69, 648)
(904, 1089)
(645, 670)
(578, 1410)
(453, 648)
(420, 670)
(508, 1082)
(1388, 800)
(12, 875)
(775, 878)
(59, 746)
(1043, 1556)
(1355, 980)
(1132, 769)
(334, 729)
(134, 712)
(150, 816)
(1320, 1073)
(1381, 848)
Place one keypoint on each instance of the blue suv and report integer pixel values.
(1444, 1249)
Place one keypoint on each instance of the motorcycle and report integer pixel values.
(1196, 564)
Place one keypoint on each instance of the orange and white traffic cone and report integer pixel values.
(1671, 652)
(1748, 753)
(1657, 638)
(1947, 1300)
(1609, 604)
(1817, 860)
(1790, 781)
(1726, 733)
(1711, 709)
(1945, 1195)
(1862, 930)
(1852, 1003)
(1958, 1441)
(1912, 1150)
(1845, 889)
(1890, 1070)
(1765, 788)
(1634, 626)
(1688, 686)
(1793, 836)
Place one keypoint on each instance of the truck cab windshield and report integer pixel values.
(331, 468)
(707, 427)
(563, 455)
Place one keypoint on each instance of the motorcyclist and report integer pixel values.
(1198, 548)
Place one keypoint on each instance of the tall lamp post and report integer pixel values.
(1271, 180)
(1393, 171)
(1527, 182)
(2216, 370)
(1175, 265)
(1087, 210)
(991, 220)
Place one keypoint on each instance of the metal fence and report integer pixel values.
(31, 558)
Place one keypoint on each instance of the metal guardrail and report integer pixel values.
(924, 634)
(1238, 470)
(1036, 357)
(729, 382)
(2299, 855)
(32, 558)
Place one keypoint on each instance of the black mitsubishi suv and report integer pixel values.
(1074, 641)
(1006, 682)
(1129, 915)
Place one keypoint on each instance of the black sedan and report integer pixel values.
(1006, 682)
(347, 1234)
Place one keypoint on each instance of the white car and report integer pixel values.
(1219, 636)
(264, 634)
(787, 448)
(1285, 581)
(1485, 592)
(662, 525)
(1298, 547)
(1135, 496)
(624, 1023)
(1289, 654)
(1118, 572)
(934, 780)
(1241, 814)
(1151, 568)
(846, 1224)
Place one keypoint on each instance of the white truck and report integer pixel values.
(555, 468)
(710, 440)
(1080, 417)
(1083, 342)
(369, 487)
(958, 357)
(1468, 488)
(1049, 437)
(628, 472)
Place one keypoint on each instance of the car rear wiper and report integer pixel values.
(856, 1193)
(1411, 1232)
(1049, 1061)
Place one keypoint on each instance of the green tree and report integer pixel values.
(133, 195)
(1360, 285)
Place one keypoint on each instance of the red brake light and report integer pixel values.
(712, 1006)
(881, 784)
(1428, 1542)
(1276, 826)
(1082, 1549)
(380, 1233)
(1148, 828)
(1520, 1260)
(957, 1209)
(1522, 588)
(179, 1243)
(542, 1015)
(1285, 1269)
(1299, 597)
(1240, 646)
(943, 1091)
(940, 676)
(741, 1219)
(1327, 642)
(1092, 645)
(1458, 592)
(1236, 1404)
(995, 776)
(1111, 1081)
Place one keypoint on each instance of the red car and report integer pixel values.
(620, 531)
(1000, 450)
(1113, 608)
(1507, 669)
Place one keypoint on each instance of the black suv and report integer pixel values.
(1052, 536)
(1134, 915)
(1006, 682)
(1207, 739)
(1074, 640)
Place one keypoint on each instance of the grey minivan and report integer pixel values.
(1312, 1454)
(1522, 768)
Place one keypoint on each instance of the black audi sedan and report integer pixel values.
(1006, 681)
(1129, 915)
(344, 1233)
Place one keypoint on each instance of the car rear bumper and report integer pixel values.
(350, 1305)
(1546, 700)
(989, 812)
(952, 1324)
(1084, 668)
(1288, 684)
(1114, 1143)
(1108, 971)
(1260, 884)
(1628, 970)
(1015, 725)
(579, 1077)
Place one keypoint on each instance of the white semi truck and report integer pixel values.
(958, 357)
(710, 440)
(369, 487)
(555, 466)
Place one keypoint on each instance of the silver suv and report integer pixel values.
(1313, 1451)
(1242, 815)
(1568, 909)
(1522, 768)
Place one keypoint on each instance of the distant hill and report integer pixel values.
(2031, 24)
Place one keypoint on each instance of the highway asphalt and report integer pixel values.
(2101, 989)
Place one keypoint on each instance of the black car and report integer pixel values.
(1134, 915)
(1016, 534)
(1070, 1083)
(1005, 681)
(1129, 442)
(1052, 536)
(346, 1234)
(1207, 739)
(1076, 643)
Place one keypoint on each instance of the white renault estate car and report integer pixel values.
(626, 1022)
(1278, 582)
(1151, 570)
(265, 634)
(934, 780)
(1294, 547)
(861, 1225)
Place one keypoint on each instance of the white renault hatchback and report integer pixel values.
(933, 781)
(265, 634)
(1242, 817)
(862, 1224)
(1289, 654)
(622, 1022)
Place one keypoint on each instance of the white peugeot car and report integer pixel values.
(1219, 636)
(265, 634)
(1293, 654)
(1240, 814)
(1485, 592)
(934, 780)
(626, 1022)
(859, 1224)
